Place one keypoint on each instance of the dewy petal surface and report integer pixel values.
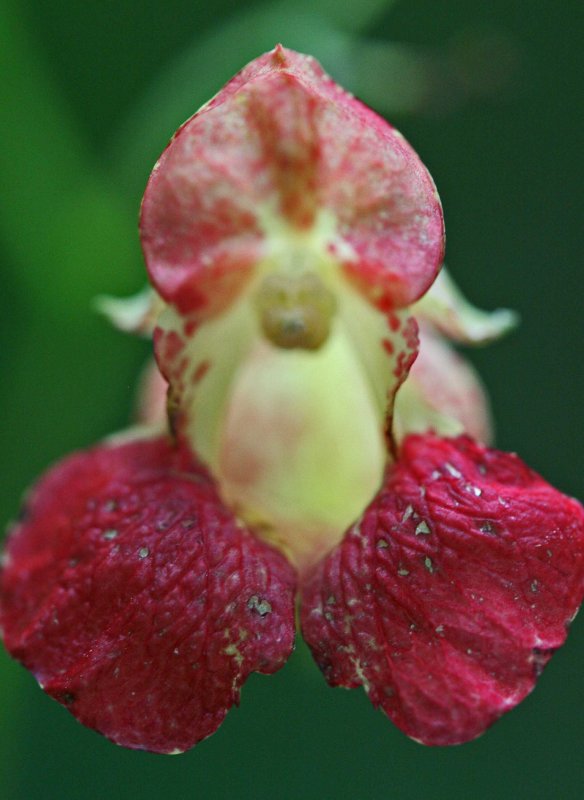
(278, 150)
(449, 596)
(137, 600)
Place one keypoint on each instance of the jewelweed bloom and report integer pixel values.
(293, 240)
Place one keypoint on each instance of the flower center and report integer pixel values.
(295, 310)
(284, 393)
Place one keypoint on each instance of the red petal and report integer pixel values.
(450, 595)
(283, 138)
(137, 600)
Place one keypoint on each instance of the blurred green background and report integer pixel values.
(488, 93)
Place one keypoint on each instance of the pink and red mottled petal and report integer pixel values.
(449, 596)
(137, 600)
(283, 139)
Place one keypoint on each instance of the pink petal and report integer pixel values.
(449, 596)
(282, 138)
(151, 396)
(443, 393)
(137, 600)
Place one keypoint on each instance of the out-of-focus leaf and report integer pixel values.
(354, 15)
(406, 79)
(65, 230)
(393, 78)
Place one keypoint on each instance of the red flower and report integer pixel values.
(289, 234)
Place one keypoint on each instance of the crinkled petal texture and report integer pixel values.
(449, 596)
(137, 600)
(277, 147)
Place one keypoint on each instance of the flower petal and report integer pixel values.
(443, 393)
(136, 314)
(268, 422)
(278, 147)
(445, 307)
(136, 598)
(151, 396)
(449, 596)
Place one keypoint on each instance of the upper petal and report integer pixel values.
(277, 147)
(136, 598)
(452, 592)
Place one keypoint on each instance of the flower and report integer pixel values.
(292, 237)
